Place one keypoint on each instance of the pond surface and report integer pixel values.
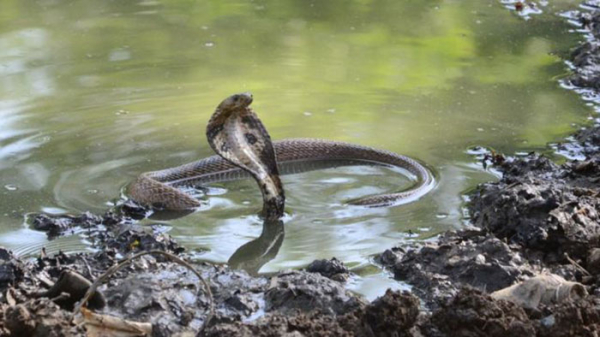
(92, 93)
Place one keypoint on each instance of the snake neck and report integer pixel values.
(236, 134)
(273, 197)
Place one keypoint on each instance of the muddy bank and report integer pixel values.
(539, 218)
(35, 302)
(292, 303)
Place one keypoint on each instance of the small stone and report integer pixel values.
(19, 320)
(53, 226)
(341, 277)
(593, 261)
(5, 254)
(388, 258)
(242, 303)
(392, 313)
(327, 268)
(548, 321)
(453, 260)
(480, 259)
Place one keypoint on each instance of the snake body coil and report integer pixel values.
(244, 147)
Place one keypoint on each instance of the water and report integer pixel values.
(92, 93)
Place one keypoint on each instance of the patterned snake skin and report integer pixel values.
(244, 146)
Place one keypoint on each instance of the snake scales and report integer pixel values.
(244, 147)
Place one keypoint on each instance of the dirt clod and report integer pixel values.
(473, 313)
(328, 268)
(392, 314)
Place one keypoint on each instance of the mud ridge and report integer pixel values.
(540, 218)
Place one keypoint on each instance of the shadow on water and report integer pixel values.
(169, 215)
(253, 255)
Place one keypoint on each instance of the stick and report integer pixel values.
(89, 269)
(577, 265)
(169, 256)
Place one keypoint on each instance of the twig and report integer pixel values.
(89, 269)
(115, 268)
(577, 265)
(62, 296)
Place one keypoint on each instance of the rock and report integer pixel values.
(293, 291)
(473, 313)
(438, 269)
(166, 295)
(53, 226)
(5, 254)
(11, 269)
(56, 225)
(133, 240)
(327, 268)
(39, 318)
(576, 318)
(593, 261)
(390, 256)
(75, 285)
(392, 314)
(18, 319)
(134, 210)
(541, 206)
(299, 325)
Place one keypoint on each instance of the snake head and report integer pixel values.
(236, 101)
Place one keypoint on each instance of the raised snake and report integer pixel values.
(244, 147)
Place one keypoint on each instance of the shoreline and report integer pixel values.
(539, 218)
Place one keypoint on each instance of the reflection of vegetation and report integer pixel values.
(382, 45)
(377, 62)
(121, 87)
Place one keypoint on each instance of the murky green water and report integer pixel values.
(92, 93)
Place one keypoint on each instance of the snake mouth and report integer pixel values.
(244, 98)
(241, 100)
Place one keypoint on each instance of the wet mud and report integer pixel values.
(39, 296)
(540, 218)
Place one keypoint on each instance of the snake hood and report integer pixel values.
(236, 133)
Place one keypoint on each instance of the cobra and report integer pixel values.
(244, 149)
